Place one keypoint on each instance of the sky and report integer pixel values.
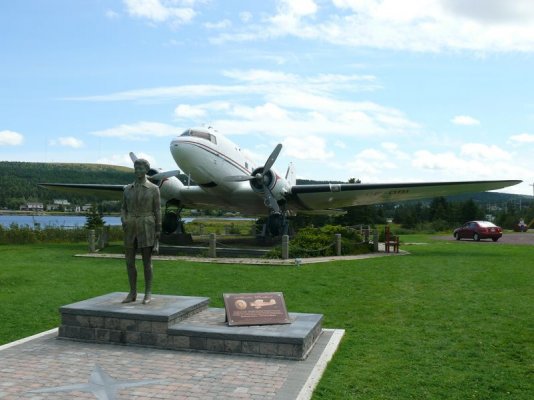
(377, 90)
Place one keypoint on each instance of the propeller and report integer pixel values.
(165, 174)
(153, 173)
(260, 178)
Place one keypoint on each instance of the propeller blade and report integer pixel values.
(270, 200)
(133, 157)
(272, 158)
(165, 174)
(239, 178)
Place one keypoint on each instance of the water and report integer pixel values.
(72, 221)
(60, 221)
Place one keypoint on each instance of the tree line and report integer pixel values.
(18, 181)
(437, 215)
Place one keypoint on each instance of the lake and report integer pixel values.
(72, 221)
(64, 221)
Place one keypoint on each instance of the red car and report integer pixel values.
(477, 230)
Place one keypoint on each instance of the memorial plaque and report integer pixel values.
(255, 309)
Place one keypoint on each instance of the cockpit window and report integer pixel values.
(201, 135)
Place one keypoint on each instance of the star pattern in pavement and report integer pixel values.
(101, 384)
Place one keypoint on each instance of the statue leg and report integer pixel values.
(132, 275)
(147, 264)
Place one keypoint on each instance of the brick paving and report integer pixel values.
(46, 362)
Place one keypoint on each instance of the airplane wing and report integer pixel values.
(102, 191)
(334, 196)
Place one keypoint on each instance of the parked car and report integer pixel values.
(477, 230)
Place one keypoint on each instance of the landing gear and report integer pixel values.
(275, 226)
(172, 226)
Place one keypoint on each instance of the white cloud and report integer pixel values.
(159, 10)
(188, 111)
(480, 151)
(67, 141)
(297, 7)
(465, 120)
(340, 144)
(425, 159)
(371, 155)
(523, 138)
(10, 138)
(224, 24)
(307, 148)
(414, 25)
(492, 11)
(281, 104)
(245, 16)
(139, 131)
(125, 160)
(110, 14)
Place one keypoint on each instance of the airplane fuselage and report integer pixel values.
(208, 158)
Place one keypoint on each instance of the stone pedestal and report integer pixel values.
(184, 323)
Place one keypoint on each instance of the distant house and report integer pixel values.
(32, 207)
(87, 207)
(58, 204)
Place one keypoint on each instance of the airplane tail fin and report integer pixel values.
(291, 176)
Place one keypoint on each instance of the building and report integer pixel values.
(58, 205)
(32, 207)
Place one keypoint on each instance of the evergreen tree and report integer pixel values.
(94, 218)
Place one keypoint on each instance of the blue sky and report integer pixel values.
(380, 90)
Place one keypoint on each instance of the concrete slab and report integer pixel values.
(293, 340)
(163, 308)
(42, 368)
(184, 323)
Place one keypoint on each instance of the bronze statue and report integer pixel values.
(141, 222)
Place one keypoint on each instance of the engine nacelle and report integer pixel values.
(170, 189)
(279, 186)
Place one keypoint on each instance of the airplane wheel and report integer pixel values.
(170, 222)
(275, 224)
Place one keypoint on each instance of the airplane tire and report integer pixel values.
(170, 222)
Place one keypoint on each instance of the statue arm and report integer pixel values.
(157, 212)
(124, 210)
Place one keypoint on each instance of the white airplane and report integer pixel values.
(228, 180)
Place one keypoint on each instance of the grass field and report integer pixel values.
(450, 321)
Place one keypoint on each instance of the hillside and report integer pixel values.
(18, 183)
(18, 180)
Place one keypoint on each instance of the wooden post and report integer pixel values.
(100, 238)
(375, 241)
(285, 247)
(106, 235)
(91, 239)
(212, 252)
(338, 244)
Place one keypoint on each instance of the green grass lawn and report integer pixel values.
(450, 321)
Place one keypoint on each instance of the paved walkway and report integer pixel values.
(258, 261)
(43, 367)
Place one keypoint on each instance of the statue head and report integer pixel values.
(141, 167)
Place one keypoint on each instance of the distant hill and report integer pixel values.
(18, 180)
(18, 183)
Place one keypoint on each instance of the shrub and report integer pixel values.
(16, 234)
(317, 242)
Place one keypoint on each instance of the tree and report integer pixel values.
(94, 218)
(469, 211)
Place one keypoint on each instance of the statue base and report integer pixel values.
(184, 323)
